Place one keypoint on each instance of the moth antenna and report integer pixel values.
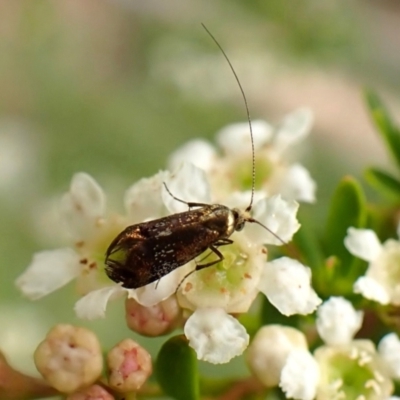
(269, 230)
(253, 174)
(169, 192)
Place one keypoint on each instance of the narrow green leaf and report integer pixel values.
(383, 121)
(383, 182)
(307, 243)
(348, 208)
(177, 371)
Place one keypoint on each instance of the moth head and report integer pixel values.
(239, 218)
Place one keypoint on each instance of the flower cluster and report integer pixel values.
(206, 300)
(342, 368)
(380, 282)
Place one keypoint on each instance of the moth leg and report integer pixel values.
(189, 204)
(213, 248)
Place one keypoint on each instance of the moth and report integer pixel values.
(145, 252)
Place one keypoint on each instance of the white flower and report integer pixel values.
(352, 371)
(287, 284)
(389, 350)
(380, 282)
(337, 321)
(269, 350)
(344, 368)
(83, 213)
(300, 375)
(198, 152)
(216, 336)
(274, 174)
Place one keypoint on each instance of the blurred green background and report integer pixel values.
(113, 87)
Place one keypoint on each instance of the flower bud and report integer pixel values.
(269, 350)
(69, 358)
(94, 392)
(156, 320)
(129, 366)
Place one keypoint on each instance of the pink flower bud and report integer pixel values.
(69, 358)
(157, 320)
(94, 392)
(129, 366)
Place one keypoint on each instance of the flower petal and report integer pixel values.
(300, 375)
(188, 184)
(82, 206)
(268, 352)
(297, 184)
(363, 243)
(371, 289)
(199, 152)
(294, 128)
(49, 271)
(287, 284)
(143, 200)
(337, 321)
(279, 216)
(157, 291)
(94, 304)
(216, 336)
(236, 139)
(389, 350)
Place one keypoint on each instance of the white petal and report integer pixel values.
(49, 271)
(389, 350)
(94, 304)
(287, 284)
(300, 376)
(216, 336)
(241, 200)
(199, 152)
(268, 352)
(297, 184)
(337, 321)
(188, 184)
(371, 289)
(235, 138)
(143, 200)
(363, 243)
(279, 216)
(294, 128)
(157, 291)
(82, 206)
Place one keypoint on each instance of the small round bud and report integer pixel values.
(69, 358)
(268, 352)
(129, 366)
(156, 320)
(94, 392)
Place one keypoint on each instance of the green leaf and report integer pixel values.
(176, 369)
(383, 182)
(383, 121)
(348, 208)
(307, 243)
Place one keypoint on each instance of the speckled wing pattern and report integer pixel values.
(145, 252)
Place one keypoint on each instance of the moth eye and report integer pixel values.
(239, 226)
